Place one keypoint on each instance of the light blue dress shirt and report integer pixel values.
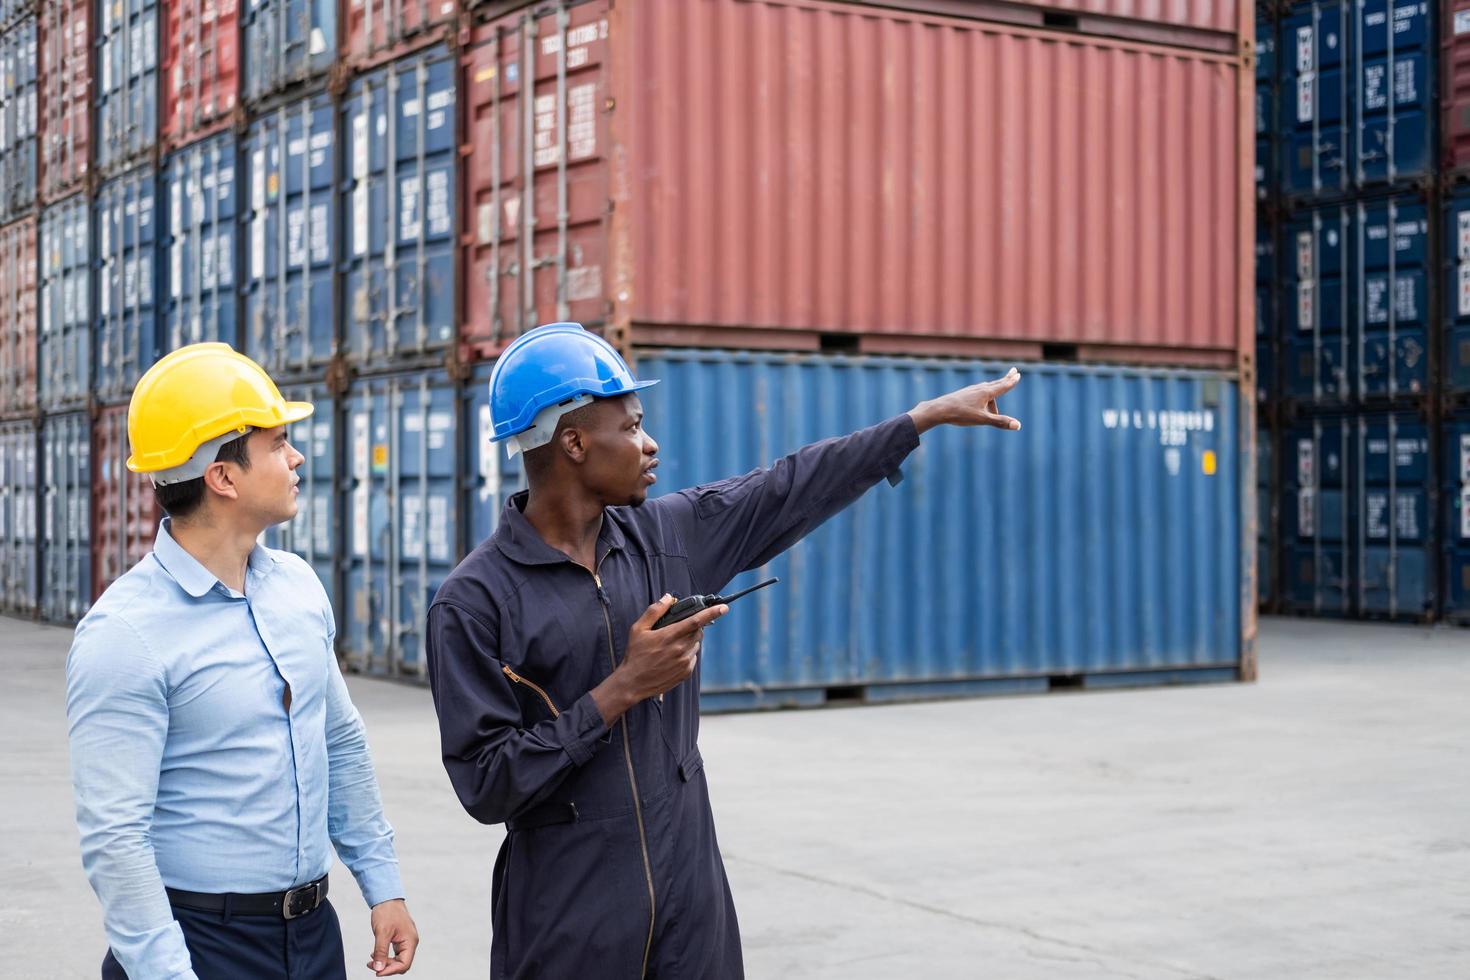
(188, 770)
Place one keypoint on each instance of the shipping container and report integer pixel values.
(312, 533)
(64, 96)
(1456, 377)
(377, 31)
(763, 182)
(287, 43)
(1317, 300)
(1391, 315)
(397, 193)
(1266, 99)
(1394, 59)
(18, 120)
(289, 161)
(1454, 105)
(125, 513)
(1394, 518)
(65, 350)
(18, 318)
(201, 68)
(489, 476)
(13, 11)
(1315, 116)
(1123, 506)
(1456, 535)
(66, 511)
(1267, 322)
(127, 315)
(1315, 515)
(18, 495)
(127, 83)
(1267, 502)
(403, 533)
(198, 250)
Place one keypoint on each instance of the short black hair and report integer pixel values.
(179, 500)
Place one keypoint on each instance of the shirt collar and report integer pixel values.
(521, 542)
(186, 570)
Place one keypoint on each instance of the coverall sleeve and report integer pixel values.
(497, 767)
(117, 712)
(355, 821)
(741, 523)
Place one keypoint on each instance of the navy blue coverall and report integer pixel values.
(610, 867)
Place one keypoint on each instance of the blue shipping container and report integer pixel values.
(403, 535)
(1394, 67)
(1266, 78)
(289, 162)
(64, 357)
(1121, 499)
(1391, 311)
(1457, 292)
(1266, 524)
(13, 10)
(127, 82)
(1317, 300)
(18, 147)
(1396, 560)
(1316, 532)
(1314, 115)
(66, 517)
(398, 209)
(1456, 493)
(127, 326)
(18, 492)
(312, 532)
(287, 42)
(198, 249)
(1266, 318)
(490, 476)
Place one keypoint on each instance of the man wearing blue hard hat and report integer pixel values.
(563, 712)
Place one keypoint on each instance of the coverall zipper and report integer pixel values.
(612, 658)
(517, 678)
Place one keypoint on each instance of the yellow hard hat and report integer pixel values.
(196, 395)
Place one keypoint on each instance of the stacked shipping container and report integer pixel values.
(373, 212)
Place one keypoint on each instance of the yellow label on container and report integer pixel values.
(1207, 462)
(380, 457)
(484, 74)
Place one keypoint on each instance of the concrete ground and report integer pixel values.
(1315, 824)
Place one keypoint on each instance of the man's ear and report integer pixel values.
(573, 444)
(217, 479)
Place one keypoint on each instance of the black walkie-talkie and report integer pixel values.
(689, 605)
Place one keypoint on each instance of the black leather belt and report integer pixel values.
(288, 904)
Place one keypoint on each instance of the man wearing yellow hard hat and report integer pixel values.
(216, 755)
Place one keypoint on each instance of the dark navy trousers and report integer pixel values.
(258, 947)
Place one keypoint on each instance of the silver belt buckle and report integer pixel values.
(287, 911)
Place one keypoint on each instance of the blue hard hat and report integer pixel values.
(550, 365)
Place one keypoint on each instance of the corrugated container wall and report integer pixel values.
(201, 68)
(198, 247)
(125, 514)
(750, 174)
(1315, 116)
(64, 96)
(290, 159)
(488, 477)
(18, 492)
(1217, 16)
(397, 198)
(65, 350)
(1316, 515)
(1457, 292)
(287, 43)
(126, 83)
(1266, 75)
(313, 532)
(1456, 493)
(18, 318)
(126, 271)
(403, 535)
(1455, 85)
(66, 510)
(1317, 303)
(17, 120)
(376, 31)
(1124, 499)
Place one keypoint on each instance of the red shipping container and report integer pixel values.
(1455, 98)
(125, 514)
(18, 318)
(795, 174)
(1210, 24)
(378, 31)
(64, 95)
(201, 68)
